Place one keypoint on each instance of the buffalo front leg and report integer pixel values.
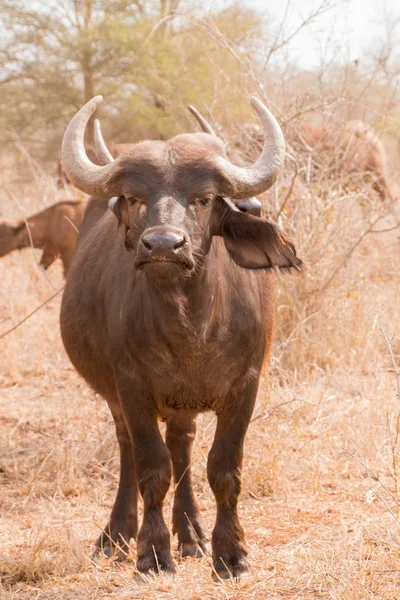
(66, 257)
(153, 472)
(224, 474)
(48, 257)
(185, 518)
(123, 523)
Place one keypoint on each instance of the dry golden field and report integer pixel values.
(320, 503)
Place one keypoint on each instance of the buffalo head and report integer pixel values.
(172, 198)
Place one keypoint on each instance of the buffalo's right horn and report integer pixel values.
(102, 152)
(260, 176)
(205, 125)
(84, 174)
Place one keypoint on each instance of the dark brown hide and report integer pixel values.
(160, 319)
(54, 230)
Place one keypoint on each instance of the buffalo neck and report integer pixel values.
(25, 238)
(194, 306)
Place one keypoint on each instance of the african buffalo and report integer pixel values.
(54, 230)
(168, 311)
(351, 152)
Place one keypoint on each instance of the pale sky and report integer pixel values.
(348, 30)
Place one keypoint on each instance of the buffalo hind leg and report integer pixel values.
(382, 187)
(123, 523)
(224, 474)
(185, 518)
(153, 472)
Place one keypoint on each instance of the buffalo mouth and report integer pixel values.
(162, 267)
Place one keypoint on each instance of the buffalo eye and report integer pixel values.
(205, 201)
(125, 208)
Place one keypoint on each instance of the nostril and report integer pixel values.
(179, 243)
(158, 243)
(147, 244)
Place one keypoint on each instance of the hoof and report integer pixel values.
(234, 571)
(148, 564)
(191, 549)
(117, 554)
(109, 548)
(220, 576)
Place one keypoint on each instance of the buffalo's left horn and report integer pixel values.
(259, 177)
(102, 152)
(205, 125)
(84, 174)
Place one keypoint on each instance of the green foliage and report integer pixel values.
(146, 62)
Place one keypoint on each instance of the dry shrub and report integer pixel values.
(325, 314)
(333, 212)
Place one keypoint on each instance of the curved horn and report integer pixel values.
(102, 152)
(206, 127)
(259, 177)
(84, 174)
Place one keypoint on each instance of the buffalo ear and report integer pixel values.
(119, 206)
(253, 243)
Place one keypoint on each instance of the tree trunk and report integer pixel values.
(87, 69)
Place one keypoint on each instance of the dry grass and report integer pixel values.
(318, 503)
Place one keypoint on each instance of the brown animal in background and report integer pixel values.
(168, 311)
(54, 230)
(352, 150)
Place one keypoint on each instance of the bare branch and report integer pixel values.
(31, 314)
